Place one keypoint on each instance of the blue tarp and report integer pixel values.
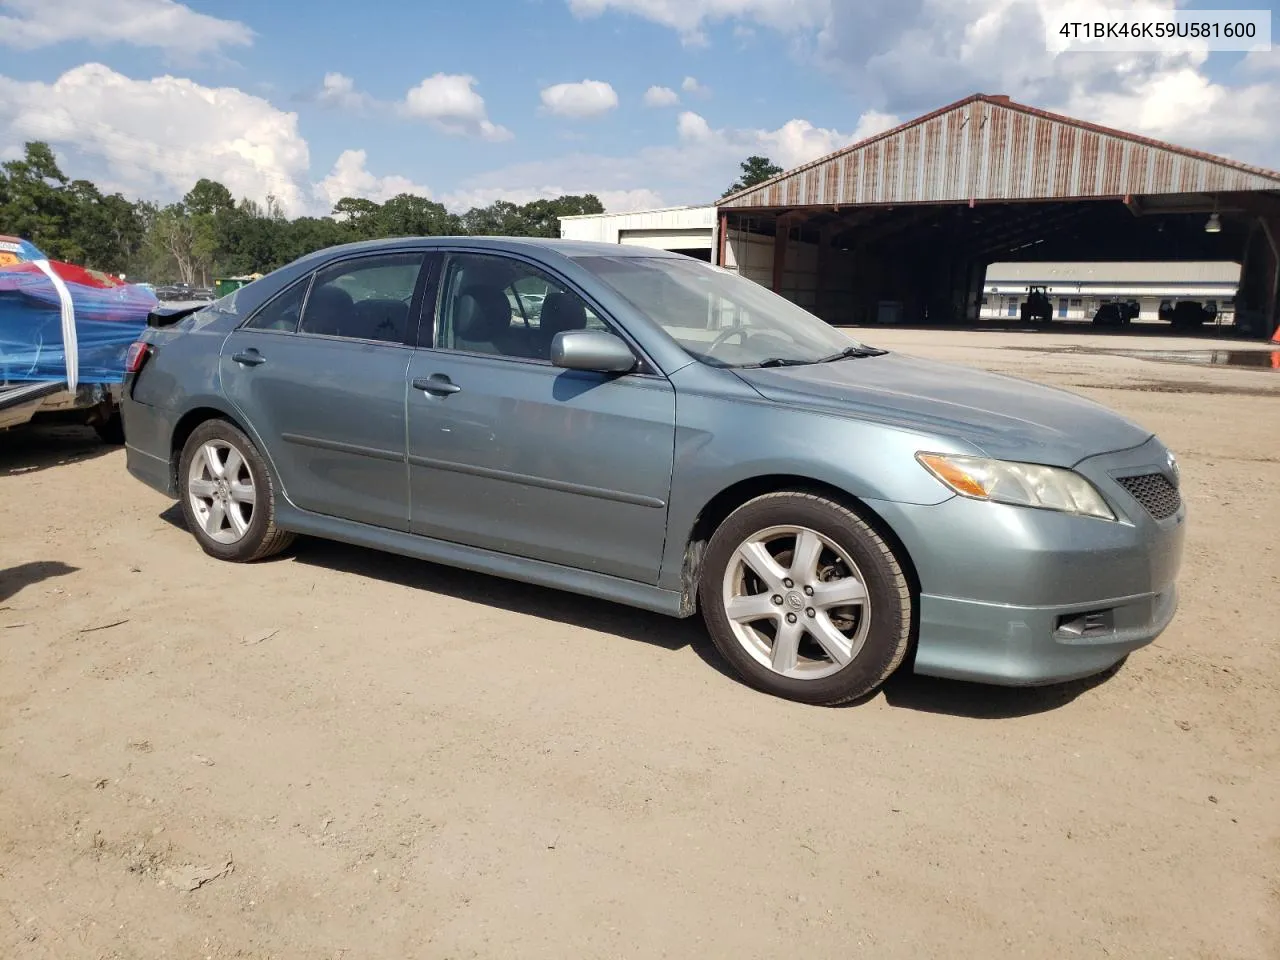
(108, 316)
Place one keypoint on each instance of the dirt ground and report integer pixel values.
(341, 754)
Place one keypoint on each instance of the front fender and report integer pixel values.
(726, 434)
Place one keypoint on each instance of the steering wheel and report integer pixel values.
(722, 338)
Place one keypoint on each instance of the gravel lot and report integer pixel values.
(345, 754)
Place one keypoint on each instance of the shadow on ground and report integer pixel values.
(30, 449)
(15, 579)
(983, 702)
(905, 690)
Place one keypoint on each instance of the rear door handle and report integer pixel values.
(250, 357)
(440, 385)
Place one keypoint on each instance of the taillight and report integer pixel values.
(137, 356)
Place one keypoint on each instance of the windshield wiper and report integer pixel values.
(776, 362)
(858, 351)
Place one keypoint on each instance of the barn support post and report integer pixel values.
(781, 230)
(824, 305)
(1271, 328)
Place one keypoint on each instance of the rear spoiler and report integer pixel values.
(167, 316)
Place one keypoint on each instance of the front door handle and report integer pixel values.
(250, 357)
(440, 385)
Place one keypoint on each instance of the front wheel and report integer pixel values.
(228, 495)
(805, 600)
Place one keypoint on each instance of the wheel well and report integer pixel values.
(731, 498)
(187, 426)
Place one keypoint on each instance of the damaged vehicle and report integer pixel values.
(64, 333)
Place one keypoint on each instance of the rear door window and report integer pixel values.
(282, 312)
(364, 299)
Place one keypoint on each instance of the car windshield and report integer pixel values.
(718, 317)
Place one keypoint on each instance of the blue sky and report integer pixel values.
(522, 98)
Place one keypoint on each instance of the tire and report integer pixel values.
(214, 501)
(111, 430)
(876, 630)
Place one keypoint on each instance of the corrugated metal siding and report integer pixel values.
(982, 150)
(1197, 271)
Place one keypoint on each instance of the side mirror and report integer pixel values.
(594, 350)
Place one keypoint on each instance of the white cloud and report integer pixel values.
(580, 101)
(350, 177)
(171, 26)
(1185, 107)
(624, 201)
(450, 103)
(691, 85)
(908, 58)
(338, 90)
(153, 139)
(1261, 62)
(795, 142)
(695, 169)
(873, 122)
(661, 97)
(692, 127)
(689, 17)
(156, 138)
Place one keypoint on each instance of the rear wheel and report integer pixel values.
(228, 495)
(805, 600)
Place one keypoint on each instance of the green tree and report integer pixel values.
(543, 216)
(358, 216)
(407, 215)
(173, 241)
(754, 170)
(208, 233)
(502, 218)
(105, 231)
(36, 204)
(208, 197)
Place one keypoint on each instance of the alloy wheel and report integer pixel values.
(796, 602)
(221, 491)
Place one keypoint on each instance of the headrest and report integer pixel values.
(481, 313)
(562, 311)
(329, 297)
(326, 307)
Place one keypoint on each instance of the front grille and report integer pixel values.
(1155, 492)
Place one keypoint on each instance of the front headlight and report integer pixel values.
(1022, 484)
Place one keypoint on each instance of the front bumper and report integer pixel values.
(1018, 596)
(1030, 646)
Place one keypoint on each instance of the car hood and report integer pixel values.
(1006, 417)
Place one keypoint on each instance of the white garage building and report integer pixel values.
(693, 231)
(688, 230)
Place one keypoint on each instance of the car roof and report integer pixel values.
(566, 248)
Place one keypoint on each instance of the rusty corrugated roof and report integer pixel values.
(989, 148)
